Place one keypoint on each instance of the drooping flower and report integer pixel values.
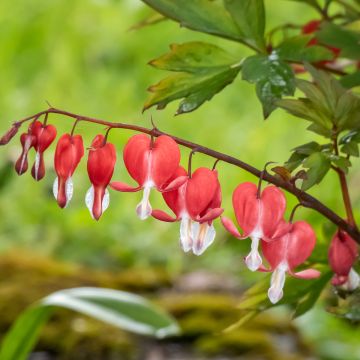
(45, 135)
(100, 166)
(285, 254)
(196, 203)
(27, 140)
(68, 153)
(343, 253)
(260, 217)
(151, 165)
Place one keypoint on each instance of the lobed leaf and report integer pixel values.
(201, 71)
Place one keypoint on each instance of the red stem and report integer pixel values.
(304, 198)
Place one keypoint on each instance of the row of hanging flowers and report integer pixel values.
(195, 199)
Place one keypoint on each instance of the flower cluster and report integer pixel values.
(195, 199)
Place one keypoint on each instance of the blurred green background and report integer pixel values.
(81, 57)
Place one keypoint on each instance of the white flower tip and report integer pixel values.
(253, 261)
(275, 294)
(203, 236)
(353, 281)
(143, 210)
(186, 242)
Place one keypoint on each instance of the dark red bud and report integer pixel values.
(5, 139)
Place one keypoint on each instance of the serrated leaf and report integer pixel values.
(318, 164)
(273, 78)
(334, 35)
(202, 70)
(121, 309)
(296, 49)
(200, 15)
(194, 57)
(305, 109)
(249, 16)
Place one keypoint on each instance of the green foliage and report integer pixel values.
(200, 15)
(123, 310)
(339, 37)
(201, 71)
(300, 295)
(295, 49)
(327, 105)
(249, 16)
(273, 78)
(350, 143)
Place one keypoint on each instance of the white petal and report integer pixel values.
(253, 260)
(56, 187)
(143, 210)
(203, 237)
(37, 164)
(106, 200)
(353, 281)
(185, 234)
(69, 190)
(275, 292)
(89, 200)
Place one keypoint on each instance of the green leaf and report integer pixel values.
(298, 293)
(341, 162)
(307, 110)
(202, 70)
(309, 300)
(318, 164)
(194, 57)
(124, 310)
(249, 16)
(200, 15)
(273, 78)
(351, 148)
(338, 37)
(351, 80)
(296, 49)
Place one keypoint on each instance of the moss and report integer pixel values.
(26, 278)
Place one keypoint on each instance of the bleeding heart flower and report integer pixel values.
(342, 256)
(285, 254)
(151, 166)
(45, 135)
(100, 166)
(260, 217)
(196, 203)
(68, 153)
(28, 140)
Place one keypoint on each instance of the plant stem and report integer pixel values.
(344, 188)
(304, 198)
